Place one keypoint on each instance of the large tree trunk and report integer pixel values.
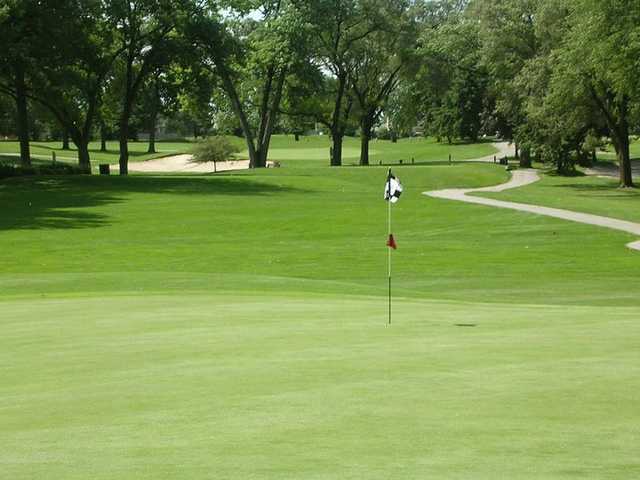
(103, 137)
(83, 155)
(65, 139)
(22, 116)
(624, 160)
(124, 148)
(365, 136)
(82, 144)
(620, 139)
(615, 112)
(621, 143)
(336, 151)
(124, 135)
(131, 86)
(525, 158)
(268, 120)
(153, 121)
(152, 135)
(230, 88)
(261, 157)
(337, 130)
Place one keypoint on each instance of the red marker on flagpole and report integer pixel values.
(392, 242)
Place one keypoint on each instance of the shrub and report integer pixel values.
(214, 149)
(8, 170)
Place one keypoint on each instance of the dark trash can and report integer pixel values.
(104, 169)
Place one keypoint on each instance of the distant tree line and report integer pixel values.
(557, 77)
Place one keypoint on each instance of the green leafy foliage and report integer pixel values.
(215, 149)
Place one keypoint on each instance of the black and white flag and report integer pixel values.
(392, 189)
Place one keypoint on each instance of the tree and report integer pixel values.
(159, 96)
(578, 81)
(507, 29)
(108, 114)
(144, 29)
(377, 62)
(18, 39)
(73, 51)
(252, 58)
(602, 48)
(403, 109)
(374, 78)
(339, 27)
(451, 82)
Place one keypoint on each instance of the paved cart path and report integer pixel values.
(526, 177)
(505, 149)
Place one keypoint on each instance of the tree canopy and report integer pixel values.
(557, 77)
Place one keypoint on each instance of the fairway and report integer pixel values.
(309, 150)
(234, 326)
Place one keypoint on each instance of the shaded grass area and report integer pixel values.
(42, 151)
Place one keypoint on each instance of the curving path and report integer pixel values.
(523, 177)
(505, 149)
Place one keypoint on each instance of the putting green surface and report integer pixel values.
(316, 387)
(235, 326)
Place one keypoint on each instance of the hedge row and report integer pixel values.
(7, 170)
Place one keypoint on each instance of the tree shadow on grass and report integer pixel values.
(552, 172)
(74, 151)
(62, 202)
(115, 152)
(416, 163)
(608, 190)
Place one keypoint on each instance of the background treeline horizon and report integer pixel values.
(557, 77)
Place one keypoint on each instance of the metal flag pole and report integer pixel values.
(389, 236)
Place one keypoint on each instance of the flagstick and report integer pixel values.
(389, 248)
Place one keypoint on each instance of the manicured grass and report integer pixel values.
(610, 153)
(589, 194)
(234, 326)
(308, 151)
(236, 386)
(315, 151)
(42, 151)
(319, 230)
